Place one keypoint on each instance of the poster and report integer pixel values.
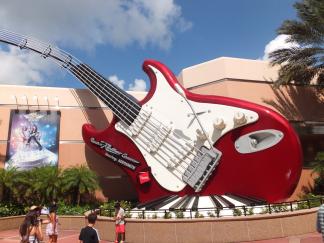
(33, 139)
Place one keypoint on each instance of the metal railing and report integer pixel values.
(217, 212)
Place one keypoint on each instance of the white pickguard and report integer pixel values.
(169, 108)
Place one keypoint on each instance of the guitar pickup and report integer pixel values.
(137, 126)
(201, 167)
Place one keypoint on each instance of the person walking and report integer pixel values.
(119, 223)
(31, 229)
(52, 226)
(89, 234)
(320, 220)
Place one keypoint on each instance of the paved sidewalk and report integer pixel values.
(307, 238)
(65, 236)
(71, 236)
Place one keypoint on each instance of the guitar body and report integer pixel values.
(269, 170)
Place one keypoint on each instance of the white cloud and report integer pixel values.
(278, 43)
(22, 68)
(86, 24)
(119, 82)
(138, 85)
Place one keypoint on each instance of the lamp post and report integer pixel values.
(24, 97)
(46, 99)
(57, 102)
(35, 97)
(16, 101)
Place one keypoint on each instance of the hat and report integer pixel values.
(32, 208)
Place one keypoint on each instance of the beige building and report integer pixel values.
(231, 77)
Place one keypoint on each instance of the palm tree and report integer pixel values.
(25, 191)
(48, 183)
(7, 183)
(78, 181)
(39, 185)
(303, 62)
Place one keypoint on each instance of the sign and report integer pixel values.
(33, 139)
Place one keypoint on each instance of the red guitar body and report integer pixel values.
(271, 174)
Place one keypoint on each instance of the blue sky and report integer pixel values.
(116, 36)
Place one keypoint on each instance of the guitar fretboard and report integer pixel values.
(123, 105)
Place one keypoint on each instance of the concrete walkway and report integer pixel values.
(71, 236)
(308, 238)
(65, 236)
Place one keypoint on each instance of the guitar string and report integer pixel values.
(78, 65)
(176, 164)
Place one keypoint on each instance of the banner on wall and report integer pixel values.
(33, 139)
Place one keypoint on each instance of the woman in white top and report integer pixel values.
(51, 228)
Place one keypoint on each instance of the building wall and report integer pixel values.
(296, 103)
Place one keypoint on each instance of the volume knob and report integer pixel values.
(219, 124)
(239, 118)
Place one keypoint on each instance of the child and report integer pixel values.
(89, 234)
(51, 228)
(120, 223)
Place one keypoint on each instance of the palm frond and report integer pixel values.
(303, 62)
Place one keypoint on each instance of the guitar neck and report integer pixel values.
(123, 105)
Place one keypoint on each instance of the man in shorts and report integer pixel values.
(89, 234)
(120, 223)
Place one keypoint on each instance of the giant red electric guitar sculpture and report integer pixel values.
(178, 142)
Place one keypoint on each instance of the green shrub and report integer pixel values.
(279, 208)
(249, 211)
(167, 215)
(198, 215)
(11, 210)
(314, 200)
(107, 209)
(179, 214)
(140, 215)
(302, 205)
(237, 212)
(72, 210)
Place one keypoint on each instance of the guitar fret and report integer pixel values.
(117, 100)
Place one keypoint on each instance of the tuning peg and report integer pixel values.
(239, 118)
(219, 124)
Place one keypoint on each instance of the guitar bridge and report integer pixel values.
(199, 170)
